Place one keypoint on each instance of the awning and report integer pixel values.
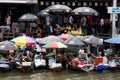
(4, 27)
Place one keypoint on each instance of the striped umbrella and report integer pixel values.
(24, 40)
(54, 45)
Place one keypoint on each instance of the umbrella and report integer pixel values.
(85, 11)
(42, 13)
(49, 39)
(93, 40)
(54, 45)
(65, 36)
(28, 17)
(58, 8)
(115, 40)
(74, 41)
(24, 40)
(7, 45)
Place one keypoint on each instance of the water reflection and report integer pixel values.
(63, 75)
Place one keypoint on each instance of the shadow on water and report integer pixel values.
(62, 75)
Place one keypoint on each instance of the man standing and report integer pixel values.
(49, 29)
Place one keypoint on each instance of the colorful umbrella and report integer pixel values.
(7, 45)
(65, 36)
(24, 40)
(54, 45)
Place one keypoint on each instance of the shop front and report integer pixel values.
(11, 10)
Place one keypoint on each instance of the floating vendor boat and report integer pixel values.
(4, 66)
(25, 66)
(82, 68)
(55, 67)
(40, 63)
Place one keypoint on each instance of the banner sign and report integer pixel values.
(19, 1)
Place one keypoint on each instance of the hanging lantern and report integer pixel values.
(63, 3)
(84, 4)
(101, 4)
(79, 4)
(106, 3)
(57, 3)
(41, 3)
(90, 3)
(47, 3)
(96, 3)
(73, 3)
(68, 3)
(52, 3)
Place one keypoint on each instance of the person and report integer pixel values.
(91, 59)
(5, 57)
(38, 32)
(81, 50)
(57, 29)
(85, 58)
(51, 60)
(105, 59)
(70, 20)
(98, 59)
(75, 60)
(49, 29)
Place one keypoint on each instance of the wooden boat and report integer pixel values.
(84, 68)
(55, 67)
(40, 63)
(25, 66)
(4, 66)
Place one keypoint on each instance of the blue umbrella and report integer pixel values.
(114, 40)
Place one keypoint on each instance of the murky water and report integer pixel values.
(62, 75)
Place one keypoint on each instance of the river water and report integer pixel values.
(62, 75)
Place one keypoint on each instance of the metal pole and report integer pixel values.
(114, 19)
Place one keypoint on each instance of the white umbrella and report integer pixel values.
(58, 8)
(74, 41)
(28, 17)
(85, 11)
(49, 39)
(42, 13)
(93, 40)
